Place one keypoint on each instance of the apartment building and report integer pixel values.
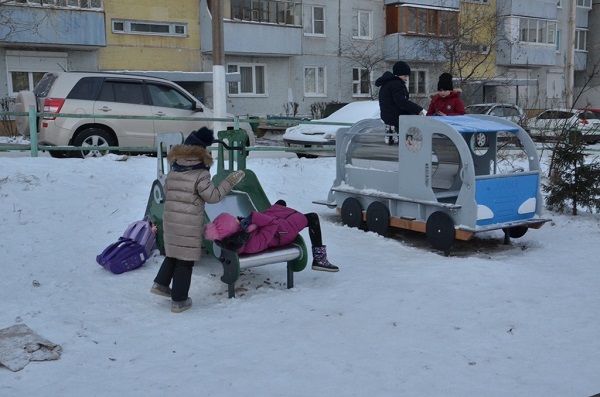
(308, 52)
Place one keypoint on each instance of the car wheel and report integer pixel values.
(481, 139)
(92, 137)
(24, 100)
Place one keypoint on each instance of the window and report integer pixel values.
(421, 21)
(24, 81)
(361, 82)
(479, 1)
(584, 3)
(362, 21)
(168, 97)
(580, 40)
(252, 80)
(122, 92)
(314, 21)
(151, 28)
(84, 4)
(314, 81)
(269, 11)
(558, 35)
(417, 82)
(532, 30)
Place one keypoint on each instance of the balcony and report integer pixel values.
(257, 27)
(51, 26)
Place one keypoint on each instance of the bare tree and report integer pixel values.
(366, 55)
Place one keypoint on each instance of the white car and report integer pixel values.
(551, 123)
(505, 111)
(318, 135)
(158, 105)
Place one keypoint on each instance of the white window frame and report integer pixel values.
(256, 74)
(584, 3)
(357, 84)
(309, 21)
(32, 62)
(558, 37)
(535, 28)
(319, 75)
(414, 81)
(358, 18)
(82, 4)
(174, 27)
(581, 41)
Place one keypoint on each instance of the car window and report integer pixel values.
(587, 115)
(510, 111)
(497, 111)
(86, 88)
(166, 96)
(122, 91)
(477, 109)
(42, 88)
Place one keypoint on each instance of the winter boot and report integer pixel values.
(161, 290)
(178, 307)
(320, 261)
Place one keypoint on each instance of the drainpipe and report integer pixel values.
(570, 61)
(219, 85)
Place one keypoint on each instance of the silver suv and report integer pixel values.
(113, 94)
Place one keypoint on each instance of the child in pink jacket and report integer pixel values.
(278, 225)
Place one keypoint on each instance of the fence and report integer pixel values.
(35, 147)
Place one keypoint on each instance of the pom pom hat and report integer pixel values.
(203, 137)
(222, 226)
(401, 69)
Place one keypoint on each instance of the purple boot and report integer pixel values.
(320, 261)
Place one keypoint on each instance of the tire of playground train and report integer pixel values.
(517, 231)
(378, 218)
(351, 212)
(440, 231)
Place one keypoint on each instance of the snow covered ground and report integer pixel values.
(399, 319)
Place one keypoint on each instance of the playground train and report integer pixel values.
(436, 180)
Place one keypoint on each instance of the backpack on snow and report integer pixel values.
(141, 232)
(122, 256)
(131, 250)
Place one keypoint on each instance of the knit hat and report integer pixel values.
(203, 137)
(445, 82)
(401, 69)
(222, 226)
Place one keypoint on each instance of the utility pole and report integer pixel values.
(219, 84)
(570, 61)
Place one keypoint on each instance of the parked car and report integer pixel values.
(503, 110)
(549, 124)
(111, 94)
(315, 134)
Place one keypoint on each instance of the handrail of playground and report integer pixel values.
(34, 147)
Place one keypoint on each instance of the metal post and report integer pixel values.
(33, 131)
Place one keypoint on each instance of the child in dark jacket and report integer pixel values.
(394, 99)
(447, 101)
(278, 225)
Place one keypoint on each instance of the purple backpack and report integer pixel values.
(122, 256)
(141, 231)
(131, 250)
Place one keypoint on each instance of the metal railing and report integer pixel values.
(35, 147)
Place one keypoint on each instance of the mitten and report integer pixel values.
(245, 222)
(235, 177)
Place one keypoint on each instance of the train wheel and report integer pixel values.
(351, 212)
(517, 231)
(440, 231)
(378, 218)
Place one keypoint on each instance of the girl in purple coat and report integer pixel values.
(278, 225)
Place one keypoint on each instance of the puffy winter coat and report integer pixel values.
(394, 99)
(187, 188)
(450, 105)
(276, 226)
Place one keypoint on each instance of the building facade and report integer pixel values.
(291, 57)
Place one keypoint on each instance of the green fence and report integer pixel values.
(35, 147)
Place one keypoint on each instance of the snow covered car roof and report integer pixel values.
(317, 132)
